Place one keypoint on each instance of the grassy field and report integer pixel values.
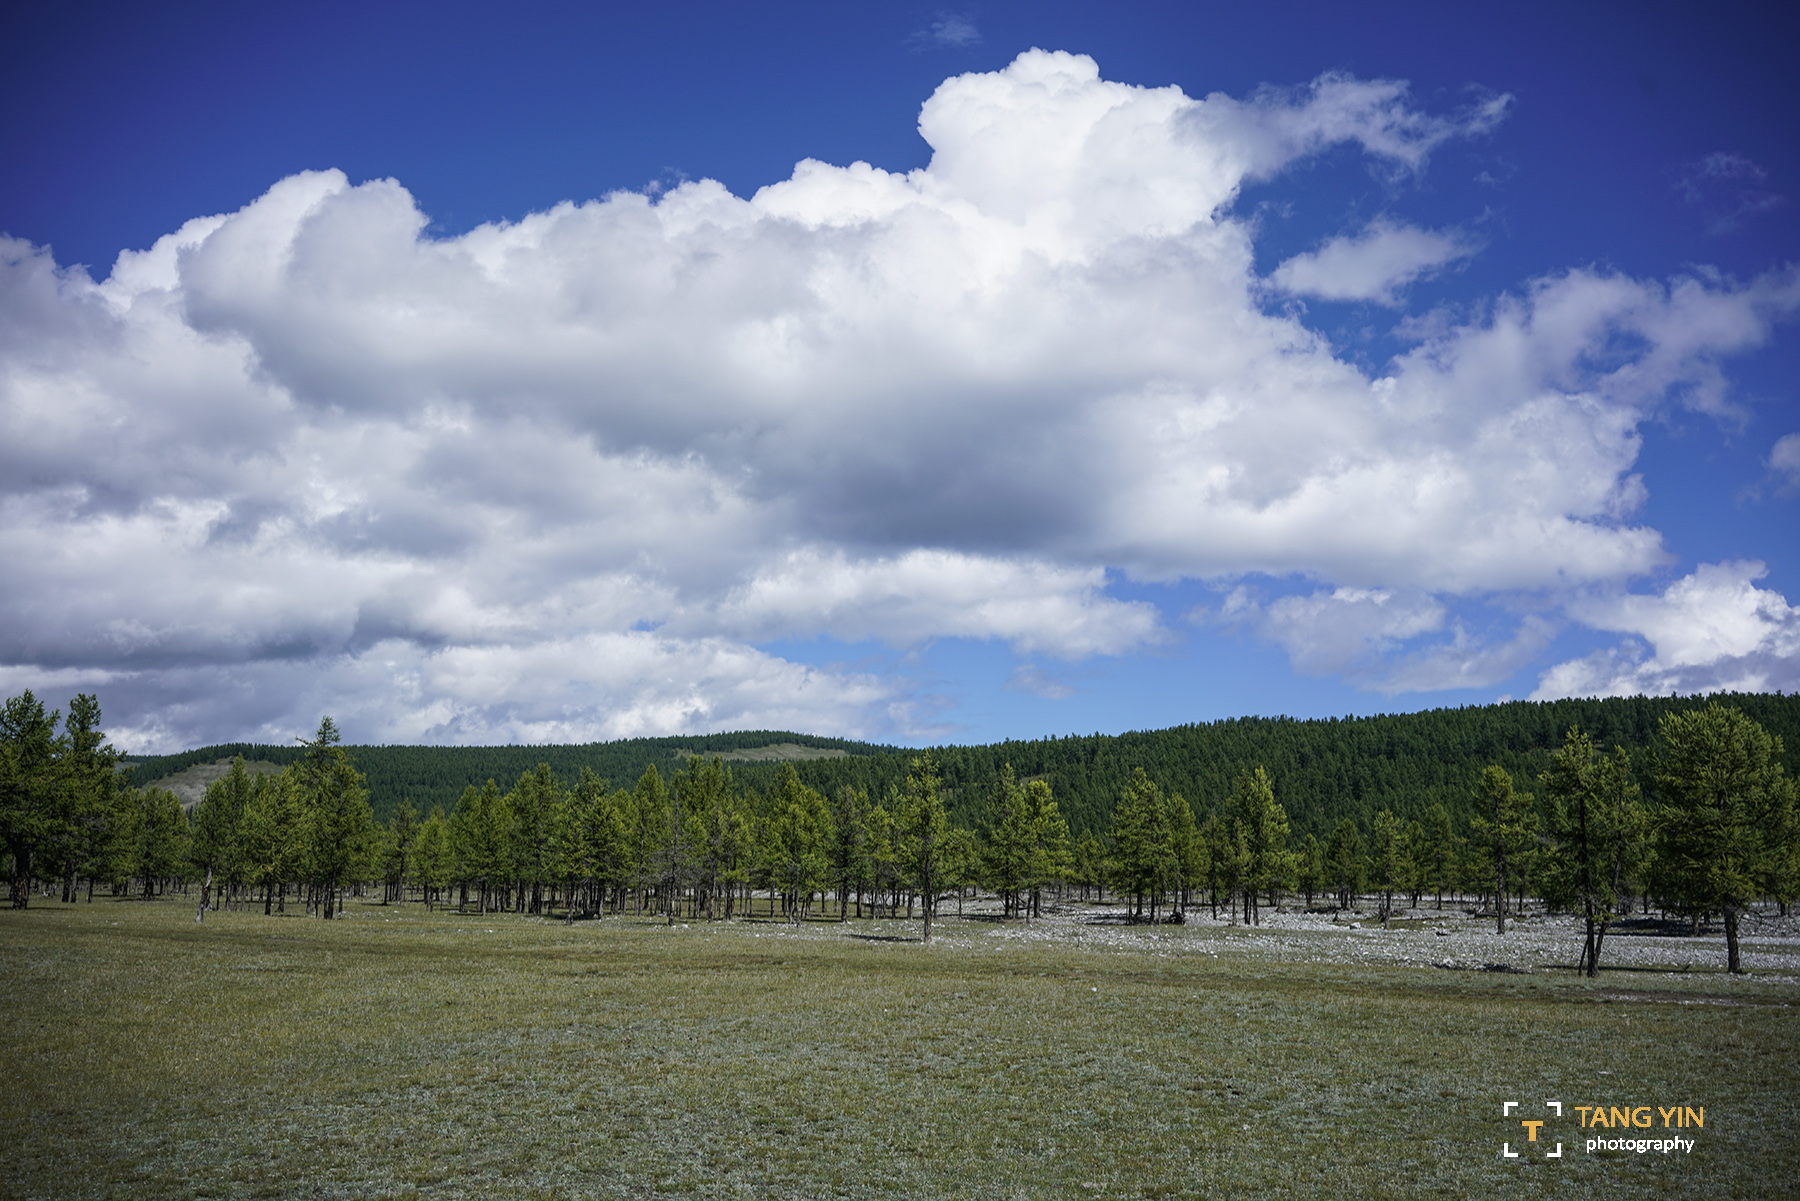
(400, 1054)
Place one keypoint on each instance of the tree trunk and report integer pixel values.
(1500, 906)
(21, 877)
(1731, 941)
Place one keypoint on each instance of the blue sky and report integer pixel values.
(551, 372)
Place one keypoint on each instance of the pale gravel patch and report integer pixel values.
(1454, 938)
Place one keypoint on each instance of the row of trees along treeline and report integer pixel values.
(1718, 834)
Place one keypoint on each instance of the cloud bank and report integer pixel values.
(563, 477)
(1709, 631)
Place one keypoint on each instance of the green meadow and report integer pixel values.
(399, 1053)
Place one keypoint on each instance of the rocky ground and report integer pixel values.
(1454, 938)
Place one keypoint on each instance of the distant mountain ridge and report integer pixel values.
(1324, 769)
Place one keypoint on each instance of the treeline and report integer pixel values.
(1717, 833)
(1326, 769)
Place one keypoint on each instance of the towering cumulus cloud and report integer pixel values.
(574, 476)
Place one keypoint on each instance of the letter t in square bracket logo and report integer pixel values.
(1533, 1128)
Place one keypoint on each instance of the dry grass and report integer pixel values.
(397, 1054)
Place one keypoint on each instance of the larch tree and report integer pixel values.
(1309, 867)
(397, 851)
(1727, 816)
(533, 802)
(1090, 865)
(1189, 849)
(216, 840)
(1052, 857)
(1414, 848)
(341, 824)
(91, 801)
(719, 831)
(1006, 849)
(1345, 864)
(1223, 863)
(885, 876)
(593, 843)
(434, 863)
(797, 842)
(160, 843)
(31, 807)
(1265, 833)
(1440, 854)
(1387, 860)
(1145, 856)
(848, 855)
(649, 824)
(1594, 824)
(1505, 830)
(272, 836)
(920, 828)
(481, 838)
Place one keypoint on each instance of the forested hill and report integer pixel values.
(1323, 770)
(437, 775)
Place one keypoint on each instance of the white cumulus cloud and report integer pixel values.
(309, 448)
(1709, 631)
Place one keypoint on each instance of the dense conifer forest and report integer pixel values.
(1599, 808)
(1323, 770)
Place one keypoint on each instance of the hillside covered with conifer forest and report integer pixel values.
(1323, 769)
